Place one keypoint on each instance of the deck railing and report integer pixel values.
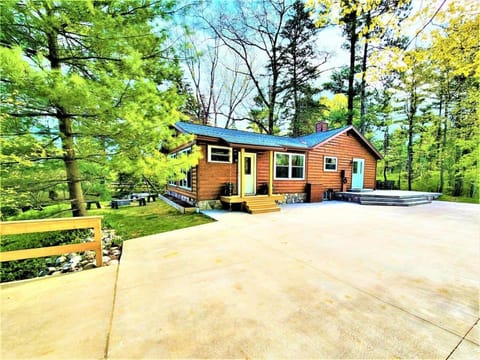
(34, 226)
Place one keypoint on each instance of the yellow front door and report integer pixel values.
(250, 173)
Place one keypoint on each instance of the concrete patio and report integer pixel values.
(327, 280)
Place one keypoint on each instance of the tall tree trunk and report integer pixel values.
(386, 141)
(363, 84)
(66, 134)
(411, 119)
(296, 110)
(351, 75)
(440, 148)
(71, 167)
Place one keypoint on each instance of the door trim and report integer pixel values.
(362, 161)
(253, 156)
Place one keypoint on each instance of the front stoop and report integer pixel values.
(255, 204)
(259, 205)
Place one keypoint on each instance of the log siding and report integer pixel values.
(209, 177)
(345, 148)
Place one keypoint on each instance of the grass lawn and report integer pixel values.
(128, 221)
(134, 221)
(461, 199)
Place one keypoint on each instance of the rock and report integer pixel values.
(105, 252)
(75, 260)
(43, 273)
(113, 262)
(60, 260)
(67, 267)
(113, 257)
(116, 252)
(51, 270)
(106, 259)
(89, 266)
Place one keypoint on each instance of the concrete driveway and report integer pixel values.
(329, 280)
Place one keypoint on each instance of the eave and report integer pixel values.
(267, 148)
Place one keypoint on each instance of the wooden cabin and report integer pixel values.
(258, 171)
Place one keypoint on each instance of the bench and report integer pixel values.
(152, 197)
(90, 202)
(115, 203)
(141, 201)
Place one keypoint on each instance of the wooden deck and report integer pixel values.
(388, 197)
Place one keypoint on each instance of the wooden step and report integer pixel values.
(260, 202)
(258, 205)
(265, 210)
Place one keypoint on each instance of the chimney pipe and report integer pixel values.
(321, 126)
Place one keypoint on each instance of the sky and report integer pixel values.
(329, 40)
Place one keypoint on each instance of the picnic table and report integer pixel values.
(90, 202)
(142, 199)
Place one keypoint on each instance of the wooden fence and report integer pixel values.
(34, 226)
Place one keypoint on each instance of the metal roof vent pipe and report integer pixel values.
(321, 126)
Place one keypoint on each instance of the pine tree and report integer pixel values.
(87, 81)
(298, 68)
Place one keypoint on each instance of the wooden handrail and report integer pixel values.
(34, 226)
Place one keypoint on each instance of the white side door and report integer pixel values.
(358, 168)
(250, 173)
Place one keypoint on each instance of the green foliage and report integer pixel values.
(297, 60)
(23, 269)
(88, 89)
(461, 199)
(51, 211)
(30, 268)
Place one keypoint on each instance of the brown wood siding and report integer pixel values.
(209, 178)
(344, 147)
(279, 186)
(182, 191)
(262, 168)
(212, 176)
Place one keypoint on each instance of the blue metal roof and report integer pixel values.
(319, 137)
(250, 138)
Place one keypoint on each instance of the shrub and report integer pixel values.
(30, 268)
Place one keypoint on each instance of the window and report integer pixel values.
(171, 180)
(329, 163)
(186, 182)
(289, 166)
(219, 154)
